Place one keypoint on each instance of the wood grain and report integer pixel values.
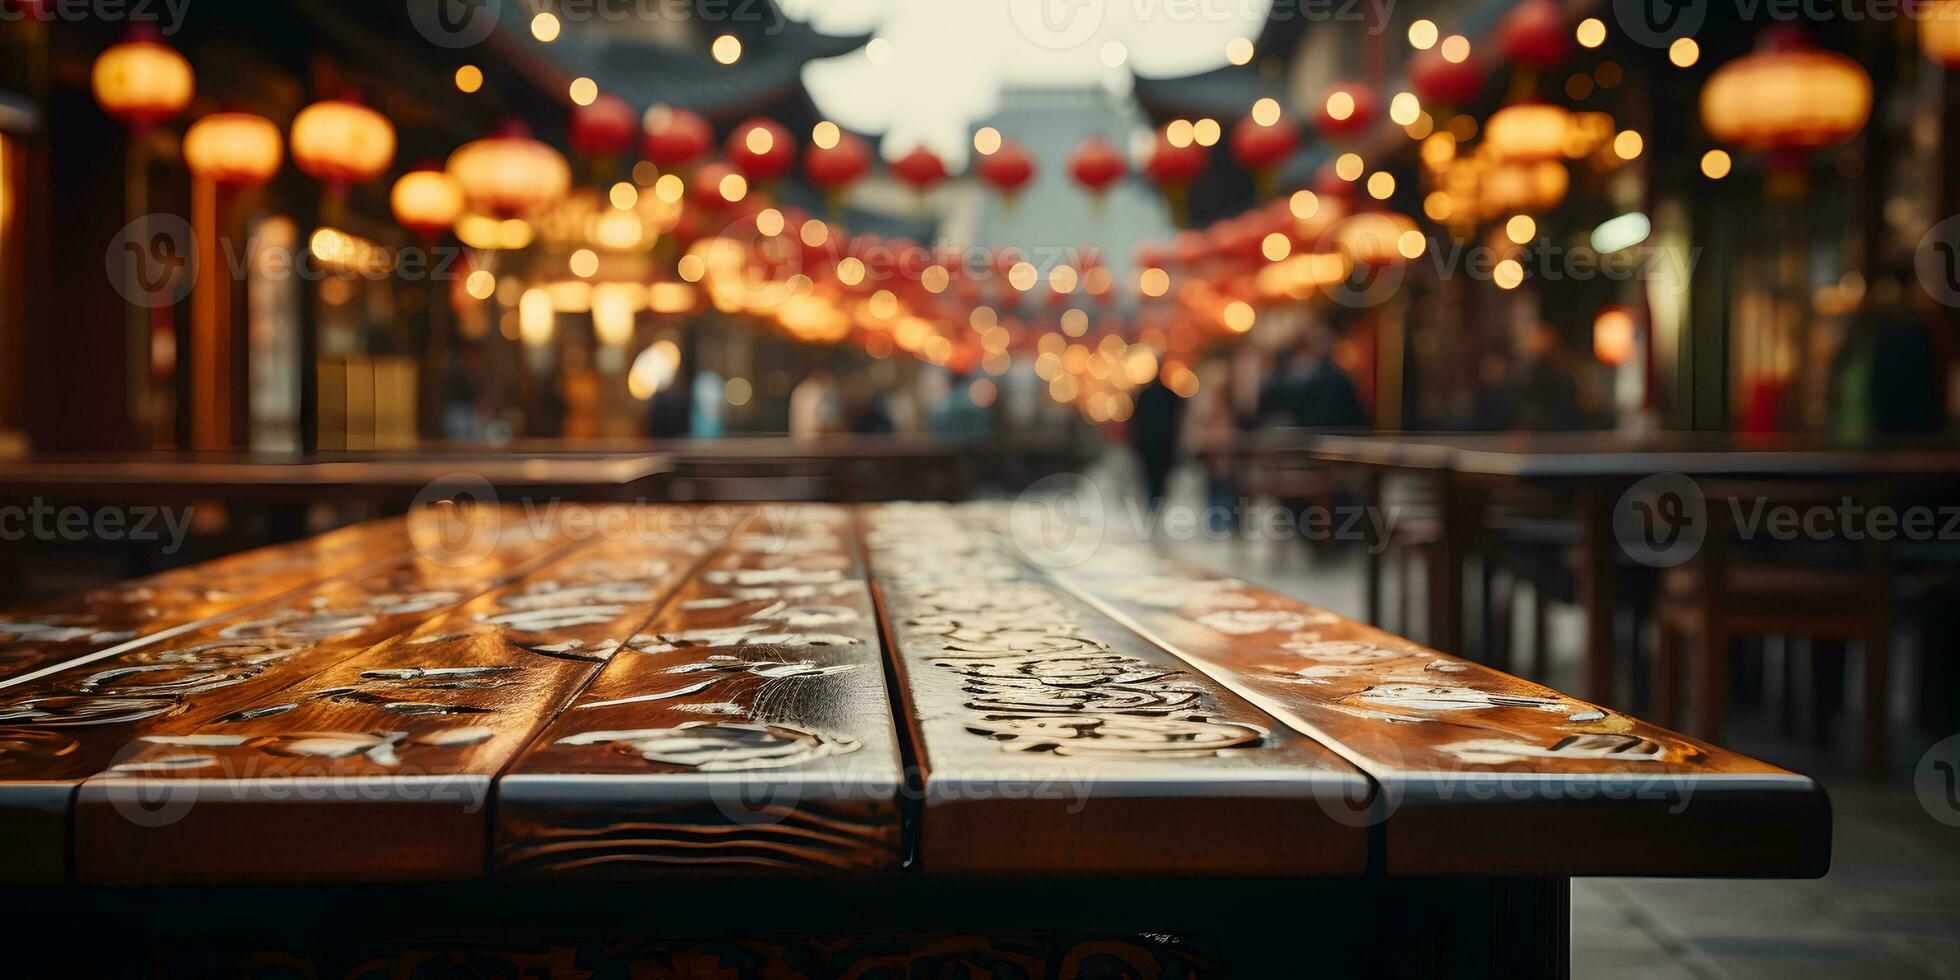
(1481, 773)
(60, 729)
(378, 767)
(1054, 742)
(746, 731)
(130, 614)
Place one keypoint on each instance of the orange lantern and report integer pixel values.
(1939, 31)
(233, 148)
(1786, 95)
(510, 174)
(342, 142)
(1512, 188)
(142, 81)
(1528, 132)
(1374, 237)
(426, 201)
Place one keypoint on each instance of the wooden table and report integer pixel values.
(1592, 470)
(827, 741)
(247, 477)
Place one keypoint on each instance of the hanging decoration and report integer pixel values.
(509, 174)
(342, 142)
(1535, 34)
(427, 201)
(1097, 165)
(675, 137)
(1347, 110)
(920, 169)
(605, 128)
(1786, 95)
(1007, 170)
(142, 81)
(761, 149)
(234, 148)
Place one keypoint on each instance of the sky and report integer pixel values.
(935, 68)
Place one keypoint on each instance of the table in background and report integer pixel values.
(1592, 470)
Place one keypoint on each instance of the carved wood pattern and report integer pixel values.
(1020, 694)
(121, 616)
(204, 677)
(746, 730)
(398, 744)
(1477, 748)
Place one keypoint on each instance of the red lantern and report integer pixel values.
(1347, 111)
(761, 149)
(604, 128)
(676, 136)
(1007, 169)
(1261, 148)
(1439, 81)
(705, 190)
(1535, 33)
(920, 168)
(1097, 165)
(838, 165)
(1172, 165)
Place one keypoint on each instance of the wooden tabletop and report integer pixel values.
(1619, 454)
(220, 474)
(813, 691)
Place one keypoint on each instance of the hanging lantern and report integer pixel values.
(510, 175)
(920, 168)
(1527, 132)
(1440, 81)
(235, 148)
(834, 167)
(1007, 169)
(1535, 33)
(1097, 165)
(1786, 95)
(1173, 165)
(714, 187)
(1260, 147)
(1373, 237)
(1347, 111)
(1939, 31)
(675, 137)
(1518, 188)
(761, 149)
(142, 81)
(603, 129)
(427, 201)
(342, 142)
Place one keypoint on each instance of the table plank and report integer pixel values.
(378, 767)
(72, 724)
(125, 616)
(1054, 742)
(1481, 773)
(746, 731)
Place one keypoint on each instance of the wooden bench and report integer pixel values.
(811, 740)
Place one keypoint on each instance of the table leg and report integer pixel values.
(1596, 590)
(1377, 545)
